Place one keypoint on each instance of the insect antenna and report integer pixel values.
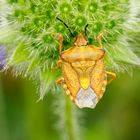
(66, 26)
(86, 29)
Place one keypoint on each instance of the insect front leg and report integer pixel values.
(59, 62)
(113, 76)
(100, 39)
(60, 41)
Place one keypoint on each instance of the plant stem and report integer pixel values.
(70, 120)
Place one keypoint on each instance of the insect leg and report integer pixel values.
(100, 40)
(58, 63)
(113, 77)
(60, 41)
(60, 81)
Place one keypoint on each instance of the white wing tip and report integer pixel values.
(86, 98)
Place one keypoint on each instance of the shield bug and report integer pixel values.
(84, 75)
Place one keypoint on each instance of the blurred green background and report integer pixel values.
(116, 117)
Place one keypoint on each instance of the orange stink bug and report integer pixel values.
(84, 75)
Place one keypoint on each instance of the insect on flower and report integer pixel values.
(84, 75)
